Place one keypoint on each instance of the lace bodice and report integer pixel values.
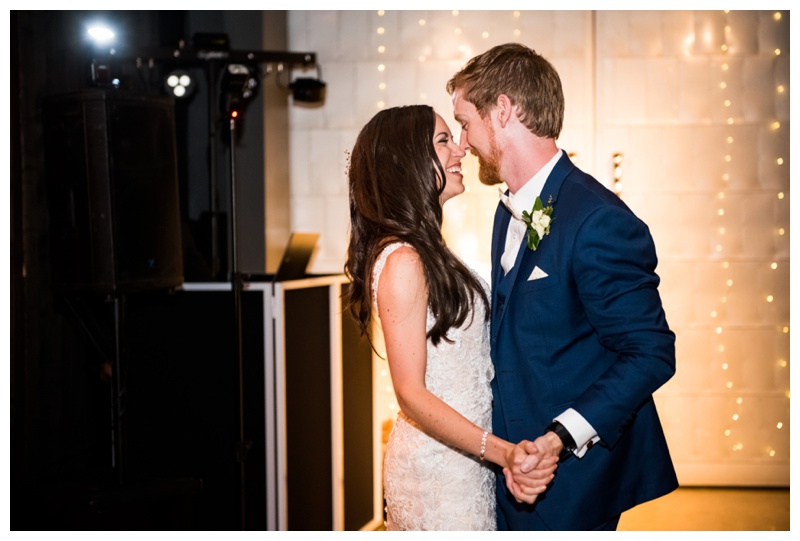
(429, 485)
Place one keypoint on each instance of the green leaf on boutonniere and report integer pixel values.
(537, 222)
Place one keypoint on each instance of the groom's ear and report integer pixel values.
(505, 109)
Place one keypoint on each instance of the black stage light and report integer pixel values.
(237, 88)
(179, 84)
(308, 90)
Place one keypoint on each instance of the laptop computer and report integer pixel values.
(296, 256)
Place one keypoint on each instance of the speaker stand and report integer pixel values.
(236, 287)
(118, 392)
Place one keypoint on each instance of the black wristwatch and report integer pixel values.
(566, 438)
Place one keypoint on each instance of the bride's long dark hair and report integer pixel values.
(395, 180)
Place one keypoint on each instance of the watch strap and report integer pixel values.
(567, 441)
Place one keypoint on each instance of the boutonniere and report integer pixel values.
(538, 221)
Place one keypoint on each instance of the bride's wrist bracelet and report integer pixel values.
(483, 444)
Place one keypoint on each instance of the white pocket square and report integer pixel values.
(537, 274)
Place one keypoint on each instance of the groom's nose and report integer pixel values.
(463, 143)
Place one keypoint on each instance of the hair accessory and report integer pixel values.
(346, 162)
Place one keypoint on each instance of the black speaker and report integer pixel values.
(113, 192)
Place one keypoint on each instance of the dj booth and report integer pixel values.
(231, 408)
(284, 442)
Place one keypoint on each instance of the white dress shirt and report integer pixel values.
(524, 200)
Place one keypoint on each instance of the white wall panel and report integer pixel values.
(709, 174)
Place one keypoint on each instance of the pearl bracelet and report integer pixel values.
(483, 444)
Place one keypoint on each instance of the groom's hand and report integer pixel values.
(548, 446)
(526, 486)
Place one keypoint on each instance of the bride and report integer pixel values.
(434, 314)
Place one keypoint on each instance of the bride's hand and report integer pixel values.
(529, 471)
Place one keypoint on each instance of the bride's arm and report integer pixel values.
(402, 307)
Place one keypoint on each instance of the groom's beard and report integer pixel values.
(489, 166)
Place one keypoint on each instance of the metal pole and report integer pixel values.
(213, 105)
(236, 286)
(118, 393)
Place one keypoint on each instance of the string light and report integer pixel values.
(721, 195)
(729, 159)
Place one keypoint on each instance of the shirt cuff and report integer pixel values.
(581, 431)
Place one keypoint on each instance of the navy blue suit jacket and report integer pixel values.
(591, 335)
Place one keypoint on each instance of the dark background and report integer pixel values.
(62, 346)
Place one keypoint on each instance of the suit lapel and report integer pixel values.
(505, 286)
(502, 286)
(500, 228)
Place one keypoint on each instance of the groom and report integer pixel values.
(579, 337)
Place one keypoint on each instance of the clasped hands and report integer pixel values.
(532, 465)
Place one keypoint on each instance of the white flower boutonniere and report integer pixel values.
(537, 222)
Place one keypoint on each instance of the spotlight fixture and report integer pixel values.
(237, 88)
(100, 34)
(308, 90)
(99, 38)
(180, 84)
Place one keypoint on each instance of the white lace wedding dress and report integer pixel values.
(429, 485)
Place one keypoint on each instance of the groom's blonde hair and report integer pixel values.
(526, 77)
